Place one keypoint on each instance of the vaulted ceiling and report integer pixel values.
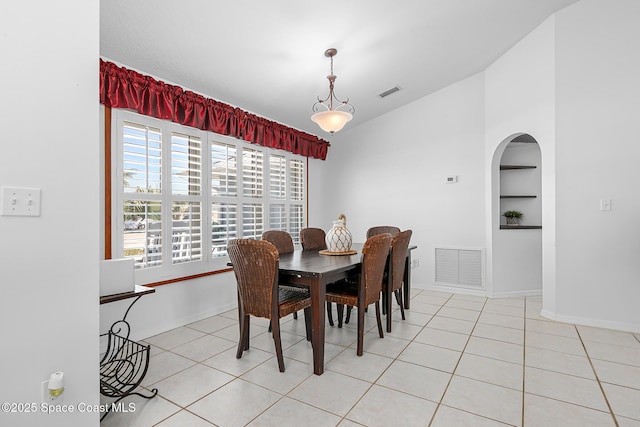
(267, 56)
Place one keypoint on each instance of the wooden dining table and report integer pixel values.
(315, 270)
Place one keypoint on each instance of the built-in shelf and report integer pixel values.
(518, 197)
(512, 167)
(520, 227)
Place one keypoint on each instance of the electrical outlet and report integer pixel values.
(415, 263)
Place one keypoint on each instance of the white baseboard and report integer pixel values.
(587, 321)
(478, 292)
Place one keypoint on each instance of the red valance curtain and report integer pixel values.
(122, 88)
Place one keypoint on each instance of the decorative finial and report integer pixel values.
(343, 218)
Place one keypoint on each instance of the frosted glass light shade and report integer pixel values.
(332, 120)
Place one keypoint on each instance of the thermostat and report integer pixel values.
(452, 179)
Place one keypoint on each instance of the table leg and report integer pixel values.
(318, 295)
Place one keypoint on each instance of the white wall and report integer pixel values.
(49, 264)
(391, 171)
(520, 99)
(597, 152)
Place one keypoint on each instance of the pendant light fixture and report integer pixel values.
(332, 119)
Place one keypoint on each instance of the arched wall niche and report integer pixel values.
(516, 252)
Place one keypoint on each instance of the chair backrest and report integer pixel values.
(280, 239)
(399, 247)
(381, 229)
(374, 258)
(255, 265)
(313, 239)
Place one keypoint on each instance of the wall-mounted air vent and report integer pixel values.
(460, 267)
(389, 91)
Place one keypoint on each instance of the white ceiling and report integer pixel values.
(267, 56)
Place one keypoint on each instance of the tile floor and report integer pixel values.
(457, 360)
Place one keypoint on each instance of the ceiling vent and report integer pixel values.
(389, 91)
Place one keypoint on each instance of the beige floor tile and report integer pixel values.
(193, 383)
(608, 336)
(164, 365)
(426, 307)
(451, 325)
(623, 400)
(292, 413)
(555, 343)
(459, 313)
(214, 323)
(613, 353)
(494, 371)
(500, 350)
(203, 348)
(499, 333)
(617, 373)
(331, 392)
(146, 413)
(414, 379)
(558, 362)
(465, 304)
(184, 419)
(441, 338)
(235, 404)
(174, 337)
(567, 388)
(400, 329)
(227, 362)
(510, 302)
(627, 422)
(501, 320)
(384, 407)
(451, 417)
(420, 364)
(487, 400)
(367, 367)
(432, 357)
(465, 297)
(412, 317)
(269, 376)
(552, 328)
(543, 412)
(508, 310)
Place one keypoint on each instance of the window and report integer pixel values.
(170, 181)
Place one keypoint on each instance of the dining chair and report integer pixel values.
(368, 288)
(284, 244)
(313, 239)
(380, 229)
(255, 265)
(392, 282)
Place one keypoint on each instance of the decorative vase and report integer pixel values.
(338, 239)
(513, 221)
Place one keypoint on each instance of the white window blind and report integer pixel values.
(180, 194)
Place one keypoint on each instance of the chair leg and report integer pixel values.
(387, 301)
(278, 343)
(244, 336)
(400, 300)
(378, 318)
(360, 331)
(329, 313)
(346, 319)
(307, 322)
(340, 312)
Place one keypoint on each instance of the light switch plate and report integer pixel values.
(17, 201)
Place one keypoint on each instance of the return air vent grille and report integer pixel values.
(460, 267)
(389, 91)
